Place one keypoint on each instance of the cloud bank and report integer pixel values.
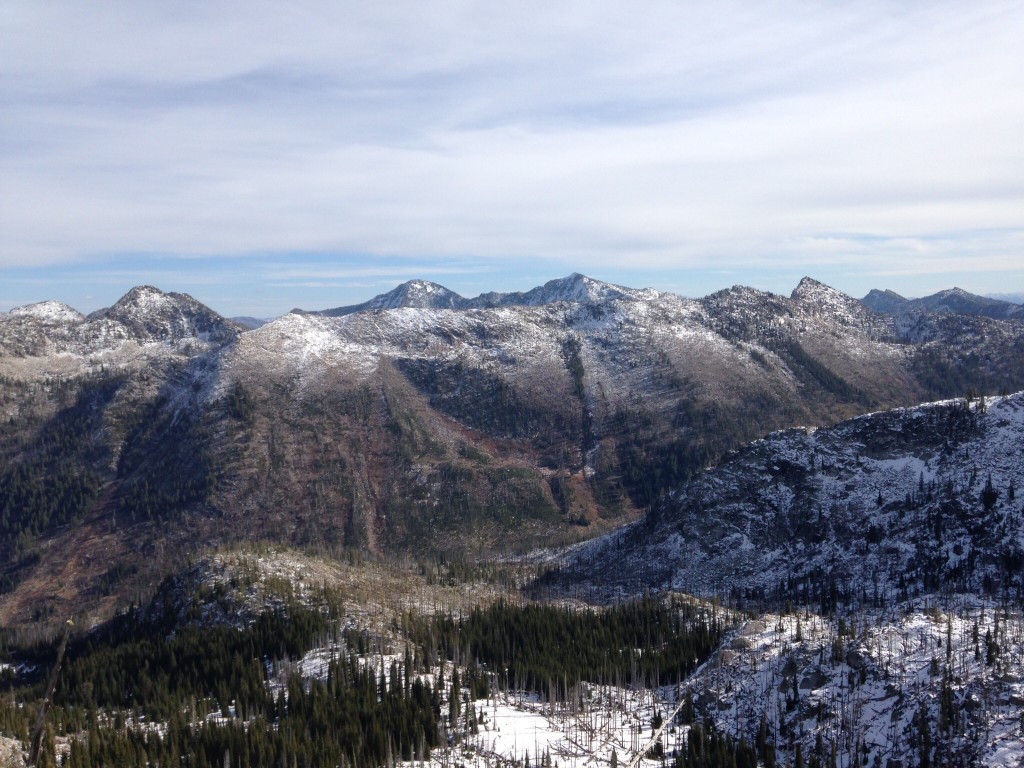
(872, 137)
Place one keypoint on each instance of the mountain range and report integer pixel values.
(739, 500)
(953, 301)
(421, 420)
(423, 294)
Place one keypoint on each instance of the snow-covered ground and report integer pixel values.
(607, 720)
(864, 686)
(880, 502)
(862, 682)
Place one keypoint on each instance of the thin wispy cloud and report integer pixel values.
(771, 139)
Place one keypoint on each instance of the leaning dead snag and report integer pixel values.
(37, 731)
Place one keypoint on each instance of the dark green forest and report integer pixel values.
(548, 649)
(222, 693)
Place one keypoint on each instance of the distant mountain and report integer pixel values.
(887, 302)
(1013, 298)
(150, 314)
(52, 312)
(51, 338)
(952, 301)
(250, 322)
(419, 294)
(422, 294)
(420, 423)
(574, 288)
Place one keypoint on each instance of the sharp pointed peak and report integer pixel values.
(811, 284)
(811, 289)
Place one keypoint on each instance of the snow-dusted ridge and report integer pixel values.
(598, 398)
(52, 339)
(49, 311)
(950, 301)
(423, 294)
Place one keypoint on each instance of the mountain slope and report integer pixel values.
(884, 505)
(935, 680)
(565, 412)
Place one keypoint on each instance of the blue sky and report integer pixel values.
(263, 156)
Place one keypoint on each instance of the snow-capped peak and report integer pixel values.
(140, 300)
(412, 294)
(575, 288)
(50, 311)
(418, 294)
(821, 299)
(149, 313)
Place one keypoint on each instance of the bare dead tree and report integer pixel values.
(37, 731)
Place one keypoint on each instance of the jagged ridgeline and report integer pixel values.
(421, 420)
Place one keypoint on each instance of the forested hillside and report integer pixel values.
(885, 506)
(321, 678)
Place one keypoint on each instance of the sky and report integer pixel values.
(264, 155)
